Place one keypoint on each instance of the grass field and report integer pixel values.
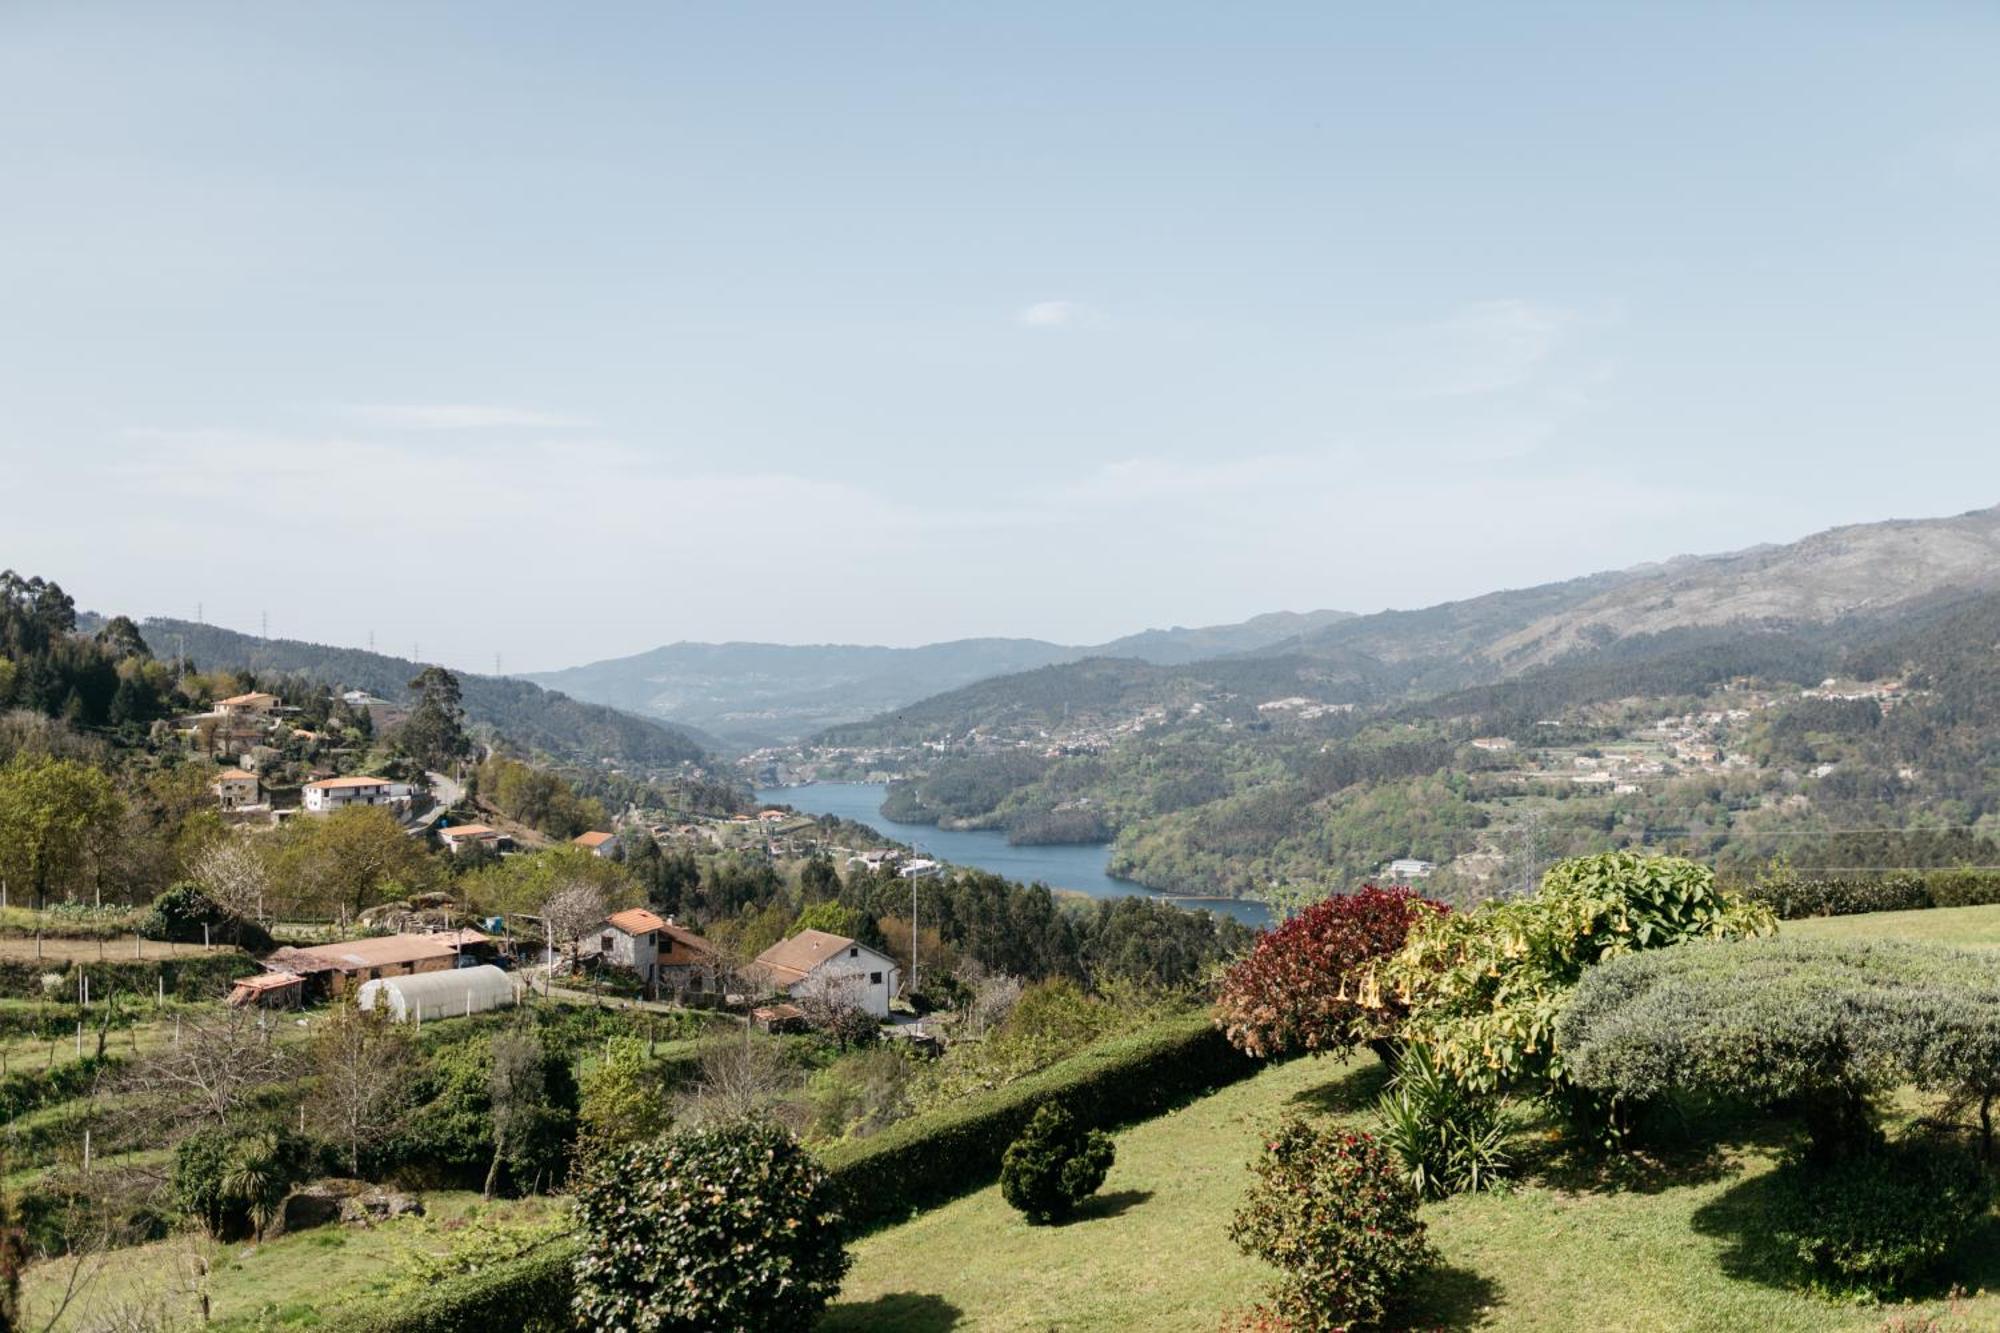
(288, 1282)
(1964, 927)
(1662, 1251)
(1666, 1251)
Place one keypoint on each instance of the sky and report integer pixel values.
(558, 332)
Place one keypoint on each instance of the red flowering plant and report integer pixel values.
(1307, 985)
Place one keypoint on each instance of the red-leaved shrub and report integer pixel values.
(1300, 987)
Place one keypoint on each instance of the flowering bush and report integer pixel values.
(1484, 989)
(1333, 1211)
(1301, 988)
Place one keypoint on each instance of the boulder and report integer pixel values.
(316, 1204)
(378, 1205)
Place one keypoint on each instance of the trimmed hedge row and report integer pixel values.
(205, 976)
(930, 1158)
(926, 1159)
(531, 1294)
(1792, 898)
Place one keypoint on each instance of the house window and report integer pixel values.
(874, 978)
(604, 944)
(854, 953)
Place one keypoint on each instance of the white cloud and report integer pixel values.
(456, 416)
(1054, 314)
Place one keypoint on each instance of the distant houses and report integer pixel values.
(815, 964)
(332, 969)
(1408, 868)
(459, 837)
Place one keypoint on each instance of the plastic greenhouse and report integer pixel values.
(424, 997)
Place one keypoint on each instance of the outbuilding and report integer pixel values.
(425, 997)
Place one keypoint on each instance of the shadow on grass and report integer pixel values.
(1449, 1297)
(1114, 1204)
(1348, 1093)
(1672, 1147)
(898, 1312)
(1740, 1218)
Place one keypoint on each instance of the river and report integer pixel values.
(1060, 866)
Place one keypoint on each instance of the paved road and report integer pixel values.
(448, 794)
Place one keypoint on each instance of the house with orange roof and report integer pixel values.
(235, 789)
(665, 954)
(330, 794)
(816, 964)
(598, 844)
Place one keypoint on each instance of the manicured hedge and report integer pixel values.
(530, 1294)
(202, 976)
(930, 1158)
(1792, 898)
(923, 1160)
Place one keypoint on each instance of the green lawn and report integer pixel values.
(1966, 927)
(1663, 1251)
(289, 1282)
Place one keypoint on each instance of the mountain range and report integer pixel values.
(759, 694)
(763, 693)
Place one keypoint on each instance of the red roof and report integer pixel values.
(349, 782)
(636, 921)
(592, 839)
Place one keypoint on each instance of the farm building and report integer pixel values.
(424, 997)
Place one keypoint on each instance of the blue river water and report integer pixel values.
(1079, 867)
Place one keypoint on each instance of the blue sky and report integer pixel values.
(563, 331)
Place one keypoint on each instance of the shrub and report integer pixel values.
(1449, 1140)
(530, 1294)
(185, 914)
(1484, 988)
(731, 1228)
(1055, 1165)
(956, 1149)
(1811, 1028)
(197, 1181)
(1877, 1223)
(1300, 989)
(1333, 1212)
(1792, 896)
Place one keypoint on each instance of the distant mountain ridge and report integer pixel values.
(524, 713)
(1856, 575)
(755, 693)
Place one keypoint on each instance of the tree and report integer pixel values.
(735, 1227)
(1054, 1165)
(1301, 987)
(434, 734)
(260, 1172)
(573, 911)
(623, 1099)
(235, 875)
(533, 1098)
(1333, 1212)
(53, 814)
(349, 859)
(365, 1067)
(1484, 988)
(216, 1062)
(1814, 1029)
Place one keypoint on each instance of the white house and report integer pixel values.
(665, 955)
(458, 837)
(1409, 867)
(336, 793)
(816, 965)
(256, 702)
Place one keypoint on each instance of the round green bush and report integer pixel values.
(730, 1228)
(184, 914)
(1054, 1165)
(1875, 1224)
(1334, 1212)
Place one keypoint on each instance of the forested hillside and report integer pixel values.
(525, 714)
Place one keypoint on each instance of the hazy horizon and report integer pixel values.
(564, 336)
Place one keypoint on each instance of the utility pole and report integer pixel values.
(263, 624)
